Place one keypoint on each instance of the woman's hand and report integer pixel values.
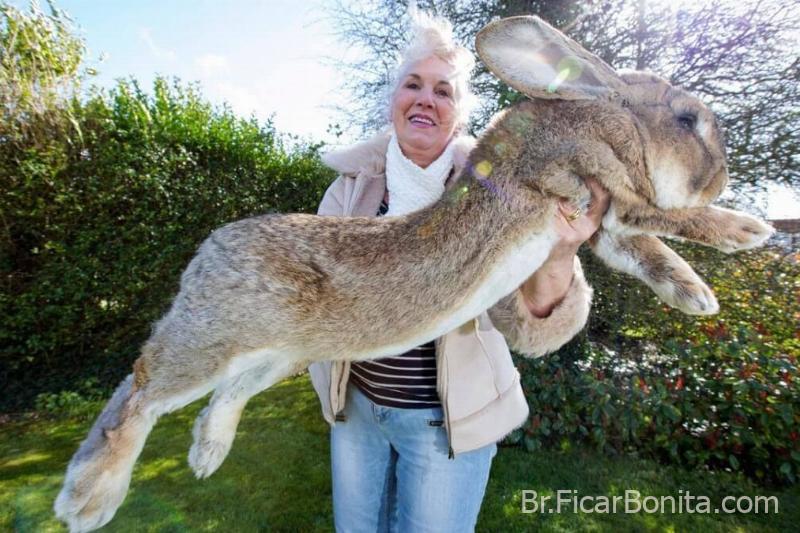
(547, 286)
(573, 233)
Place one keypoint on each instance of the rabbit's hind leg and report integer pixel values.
(215, 427)
(99, 473)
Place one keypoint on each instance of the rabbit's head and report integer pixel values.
(679, 140)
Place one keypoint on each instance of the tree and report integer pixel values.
(739, 57)
(41, 72)
(379, 31)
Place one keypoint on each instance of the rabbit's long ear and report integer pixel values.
(540, 61)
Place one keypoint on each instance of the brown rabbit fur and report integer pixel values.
(266, 296)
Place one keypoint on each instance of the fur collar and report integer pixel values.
(369, 157)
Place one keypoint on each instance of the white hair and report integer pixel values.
(433, 36)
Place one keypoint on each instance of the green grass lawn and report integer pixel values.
(277, 478)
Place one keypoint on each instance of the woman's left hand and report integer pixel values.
(548, 285)
(575, 231)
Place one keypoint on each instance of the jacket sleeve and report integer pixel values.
(532, 336)
(332, 202)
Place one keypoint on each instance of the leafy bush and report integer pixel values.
(718, 392)
(104, 201)
(84, 402)
(99, 232)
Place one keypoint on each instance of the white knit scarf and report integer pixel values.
(410, 187)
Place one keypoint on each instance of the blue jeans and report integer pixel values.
(391, 471)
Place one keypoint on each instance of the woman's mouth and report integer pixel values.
(421, 121)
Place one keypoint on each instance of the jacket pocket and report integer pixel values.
(471, 380)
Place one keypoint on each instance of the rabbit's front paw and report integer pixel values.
(743, 232)
(693, 298)
(687, 294)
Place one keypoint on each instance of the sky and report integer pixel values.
(268, 57)
(271, 58)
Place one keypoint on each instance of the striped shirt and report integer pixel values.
(407, 380)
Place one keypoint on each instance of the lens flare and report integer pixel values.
(426, 229)
(569, 69)
(520, 124)
(483, 169)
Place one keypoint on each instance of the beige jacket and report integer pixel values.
(477, 383)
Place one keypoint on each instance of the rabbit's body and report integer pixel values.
(356, 288)
(266, 296)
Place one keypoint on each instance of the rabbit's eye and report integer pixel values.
(687, 121)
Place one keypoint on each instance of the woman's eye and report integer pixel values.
(443, 93)
(412, 86)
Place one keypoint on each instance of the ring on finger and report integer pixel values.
(575, 215)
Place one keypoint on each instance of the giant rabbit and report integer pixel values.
(266, 296)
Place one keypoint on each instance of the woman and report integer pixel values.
(413, 436)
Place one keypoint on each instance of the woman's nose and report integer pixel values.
(425, 99)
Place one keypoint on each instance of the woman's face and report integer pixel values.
(424, 111)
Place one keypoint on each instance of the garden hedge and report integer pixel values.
(710, 392)
(100, 221)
